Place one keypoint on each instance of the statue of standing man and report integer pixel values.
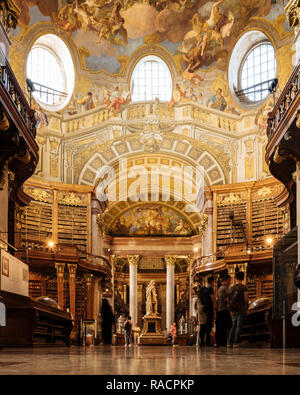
(151, 299)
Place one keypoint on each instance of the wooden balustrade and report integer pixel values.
(16, 95)
(286, 101)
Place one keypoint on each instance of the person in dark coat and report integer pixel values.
(108, 320)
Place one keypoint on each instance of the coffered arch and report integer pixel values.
(174, 150)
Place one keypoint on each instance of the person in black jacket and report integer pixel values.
(108, 320)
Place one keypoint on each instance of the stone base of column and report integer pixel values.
(152, 333)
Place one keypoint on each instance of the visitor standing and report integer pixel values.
(128, 331)
(238, 306)
(223, 319)
(208, 308)
(108, 320)
(201, 318)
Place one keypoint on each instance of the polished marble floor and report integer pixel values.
(149, 360)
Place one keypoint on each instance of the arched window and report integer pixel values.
(50, 69)
(257, 72)
(151, 79)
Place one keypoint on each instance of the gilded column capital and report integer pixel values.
(242, 267)
(60, 269)
(231, 269)
(133, 259)
(170, 260)
(88, 278)
(72, 269)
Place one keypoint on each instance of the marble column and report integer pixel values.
(89, 295)
(170, 313)
(72, 289)
(60, 270)
(133, 261)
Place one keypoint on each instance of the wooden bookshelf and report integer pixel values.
(266, 219)
(72, 226)
(37, 221)
(226, 233)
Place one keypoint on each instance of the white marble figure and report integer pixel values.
(151, 299)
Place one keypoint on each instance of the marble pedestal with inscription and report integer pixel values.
(152, 333)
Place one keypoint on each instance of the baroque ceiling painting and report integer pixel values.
(200, 33)
(151, 220)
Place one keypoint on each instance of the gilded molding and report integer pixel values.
(231, 200)
(102, 228)
(292, 10)
(9, 14)
(203, 225)
(72, 200)
(40, 195)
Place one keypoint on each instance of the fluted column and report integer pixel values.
(72, 289)
(133, 261)
(89, 295)
(170, 264)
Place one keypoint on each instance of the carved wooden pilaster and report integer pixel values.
(60, 270)
(89, 295)
(72, 288)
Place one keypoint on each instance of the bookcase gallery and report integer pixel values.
(149, 188)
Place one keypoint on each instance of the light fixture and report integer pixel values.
(195, 249)
(249, 251)
(50, 244)
(269, 240)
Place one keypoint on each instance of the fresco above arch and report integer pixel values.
(151, 220)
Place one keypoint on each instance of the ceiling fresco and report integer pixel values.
(151, 220)
(201, 33)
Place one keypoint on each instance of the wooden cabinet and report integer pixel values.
(32, 323)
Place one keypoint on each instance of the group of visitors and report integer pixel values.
(229, 307)
(131, 333)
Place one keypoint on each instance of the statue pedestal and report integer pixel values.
(152, 333)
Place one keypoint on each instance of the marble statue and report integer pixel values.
(151, 299)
